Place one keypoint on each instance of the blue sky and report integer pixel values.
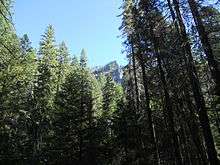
(89, 24)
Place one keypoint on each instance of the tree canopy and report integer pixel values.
(55, 109)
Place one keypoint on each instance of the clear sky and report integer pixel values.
(89, 24)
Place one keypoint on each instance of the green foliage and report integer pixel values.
(47, 69)
(18, 66)
(83, 59)
(78, 105)
(53, 110)
(64, 63)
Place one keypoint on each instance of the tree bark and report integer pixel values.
(197, 92)
(135, 77)
(168, 103)
(194, 129)
(148, 109)
(212, 62)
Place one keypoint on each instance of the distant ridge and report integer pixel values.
(112, 69)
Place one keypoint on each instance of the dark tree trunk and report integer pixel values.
(148, 109)
(194, 130)
(199, 99)
(135, 77)
(213, 63)
(136, 124)
(168, 103)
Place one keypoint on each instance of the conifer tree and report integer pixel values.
(13, 88)
(75, 61)
(83, 59)
(64, 63)
(199, 98)
(207, 47)
(78, 104)
(44, 92)
(109, 102)
(56, 110)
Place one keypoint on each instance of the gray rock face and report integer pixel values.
(112, 69)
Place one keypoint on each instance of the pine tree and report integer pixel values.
(75, 61)
(44, 92)
(48, 67)
(78, 108)
(199, 99)
(109, 102)
(55, 110)
(64, 64)
(13, 89)
(213, 63)
(83, 59)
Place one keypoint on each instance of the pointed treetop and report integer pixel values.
(83, 58)
(63, 56)
(63, 45)
(75, 60)
(25, 44)
(49, 34)
(48, 50)
(63, 48)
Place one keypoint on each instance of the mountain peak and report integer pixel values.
(112, 69)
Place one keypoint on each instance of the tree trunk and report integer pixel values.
(135, 77)
(148, 109)
(213, 63)
(199, 99)
(194, 130)
(168, 103)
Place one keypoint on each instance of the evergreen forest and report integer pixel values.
(165, 111)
